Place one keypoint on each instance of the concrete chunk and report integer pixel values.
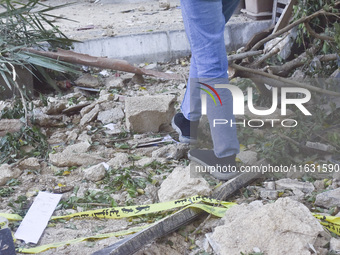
(283, 227)
(328, 199)
(149, 113)
(179, 184)
(305, 187)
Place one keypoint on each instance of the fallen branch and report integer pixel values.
(289, 27)
(131, 244)
(286, 68)
(328, 57)
(244, 55)
(280, 81)
(101, 62)
(259, 61)
(316, 35)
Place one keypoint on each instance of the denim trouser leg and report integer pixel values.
(204, 22)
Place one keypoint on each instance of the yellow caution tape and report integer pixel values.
(332, 223)
(217, 211)
(11, 217)
(129, 211)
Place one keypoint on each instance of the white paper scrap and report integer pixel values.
(37, 217)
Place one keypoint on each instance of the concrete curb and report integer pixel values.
(165, 45)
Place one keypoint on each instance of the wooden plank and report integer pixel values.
(285, 16)
(131, 244)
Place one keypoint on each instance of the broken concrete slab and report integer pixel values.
(149, 113)
(77, 148)
(95, 173)
(30, 164)
(111, 116)
(179, 184)
(74, 159)
(286, 183)
(283, 227)
(90, 116)
(119, 160)
(75, 155)
(328, 198)
(7, 173)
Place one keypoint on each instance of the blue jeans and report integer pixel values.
(204, 22)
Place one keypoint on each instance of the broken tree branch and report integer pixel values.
(244, 55)
(281, 82)
(289, 27)
(259, 61)
(328, 57)
(101, 62)
(286, 68)
(316, 35)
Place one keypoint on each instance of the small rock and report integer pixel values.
(84, 137)
(77, 148)
(90, 116)
(179, 184)
(74, 159)
(144, 161)
(7, 173)
(72, 135)
(334, 245)
(269, 185)
(95, 173)
(89, 81)
(138, 79)
(10, 126)
(105, 96)
(119, 160)
(173, 151)
(269, 194)
(111, 116)
(305, 187)
(55, 107)
(45, 120)
(149, 113)
(247, 157)
(319, 184)
(328, 199)
(114, 82)
(30, 163)
(141, 8)
(164, 4)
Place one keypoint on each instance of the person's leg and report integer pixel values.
(205, 22)
(229, 7)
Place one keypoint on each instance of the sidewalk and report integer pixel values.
(141, 31)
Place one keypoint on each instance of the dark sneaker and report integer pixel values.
(221, 168)
(186, 129)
